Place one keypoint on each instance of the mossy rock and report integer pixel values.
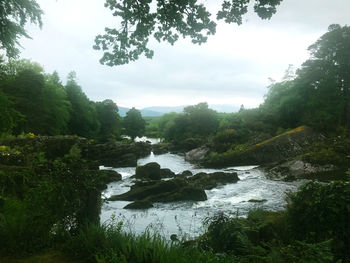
(162, 191)
(184, 174)
(212, 180)
(144, 204)
(149, 171)
(166, 173)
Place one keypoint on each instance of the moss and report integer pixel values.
(296, 130)
(50, 256)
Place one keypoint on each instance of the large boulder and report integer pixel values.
(196, 155)
(184, 174)
(144, 204)
(166, 173)
(149, 171)
(299, 169)
(213, 180)
(178, 189)
(160, 148)
(162, 191)
(276, 149)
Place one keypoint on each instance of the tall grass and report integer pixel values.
(109, 244)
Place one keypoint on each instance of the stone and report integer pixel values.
(184, 174)
(162, 191)
(212, 180)
(149, 171)
(166, 173)
(143, 204)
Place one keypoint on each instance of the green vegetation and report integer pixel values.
(33, 101)
(14, 15)
(134, 124)
(313, 228)
(50, 202)
(43, 200)
(317, 96)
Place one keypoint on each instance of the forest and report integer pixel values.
(53, 139)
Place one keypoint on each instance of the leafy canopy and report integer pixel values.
(134, 124)
(166, 20)
(14, 15)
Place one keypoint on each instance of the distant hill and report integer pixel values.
(144, 112)
(165, 109)
(122, 111)
(157, 111)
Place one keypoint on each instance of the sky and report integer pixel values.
(232, 68)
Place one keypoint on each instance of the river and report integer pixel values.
(185, 218)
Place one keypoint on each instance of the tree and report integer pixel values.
(14, 15)
(109, 118)
(39, 97)
(202, 120)
(331, 55)
(83, 116)
(134, 124)
(9, 117)
(166, 20)
(318, 94)
(57, 107)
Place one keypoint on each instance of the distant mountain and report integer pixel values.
(150, 113)
(165, 109)
(144, 112)
(157, 111)
(122, 111)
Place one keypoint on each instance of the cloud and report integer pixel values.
(233, 67)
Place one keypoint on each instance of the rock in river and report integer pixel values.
(149, 171)
(163, 191)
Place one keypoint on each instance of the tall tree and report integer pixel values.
(57, 107)
(109, 118)
(14, 15)
(9, 116)
(331, 54)
(167, 20)
(202, 120)
(83, 118)
(134, 124)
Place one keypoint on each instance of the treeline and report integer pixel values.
(33, 101)
(316, 95)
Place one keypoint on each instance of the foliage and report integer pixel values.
(166, 21)
(9, 117)
(108, 244)
(83, 116)
(134, 124)
(319, 94)
(46, 201)
(226, 234)
(39, 98)
(14, 15)
(110, 121)
(193, 127)
(319, 212)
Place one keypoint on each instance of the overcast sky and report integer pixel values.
(233, 67)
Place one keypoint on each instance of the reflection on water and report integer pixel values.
(185, 218)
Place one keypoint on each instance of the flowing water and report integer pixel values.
(185, 218)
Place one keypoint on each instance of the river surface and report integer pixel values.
(185, 218)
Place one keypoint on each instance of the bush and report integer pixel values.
(225, 234)
(319, 212)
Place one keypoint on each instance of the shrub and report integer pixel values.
(319, 212)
